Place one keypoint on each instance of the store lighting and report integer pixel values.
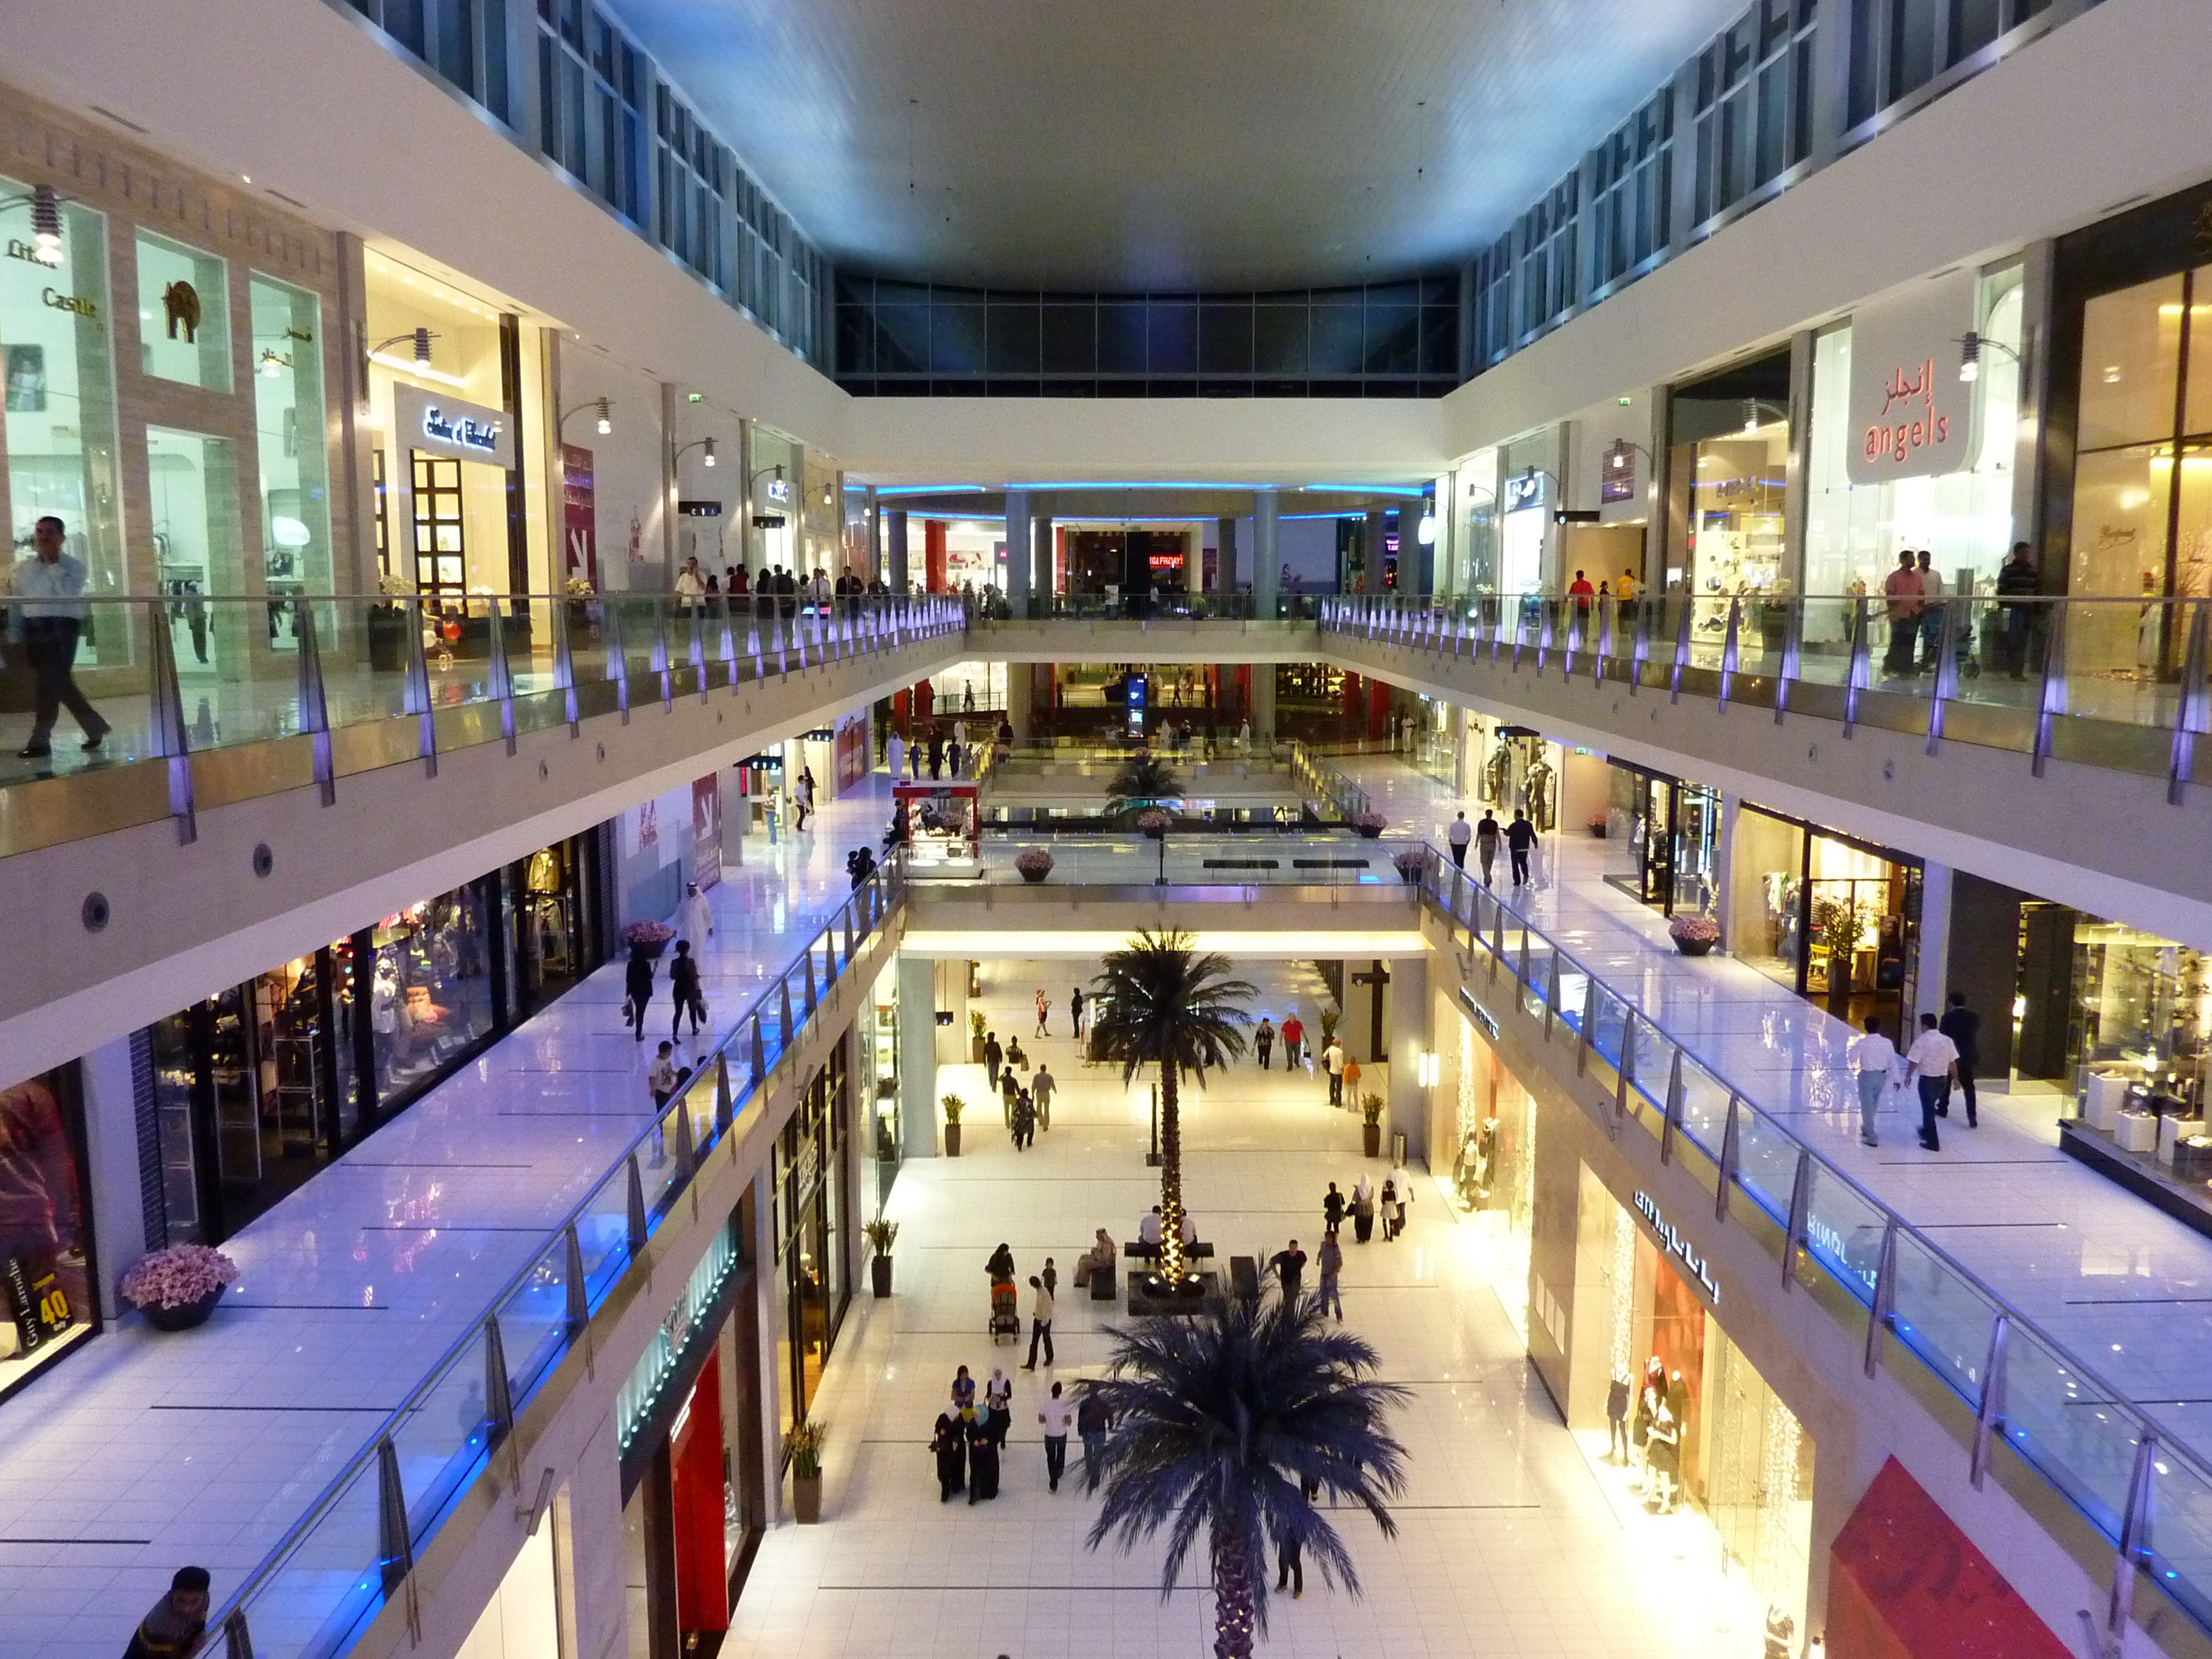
(1425, 532)
(606, 423)
(1969, 358)
(1431, 1070)
(271, 364)
(45, 226)
(707, 459)
(1750, 416)
(419, 371)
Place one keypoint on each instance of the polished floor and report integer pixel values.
(148, 1451)
(1512, 1541)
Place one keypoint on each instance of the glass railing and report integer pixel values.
(350, 1553)
(170, 678)
(1890, 1285)
(1205, 858)
(1160, 606)
(2033, 661)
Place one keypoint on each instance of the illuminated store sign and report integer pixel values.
(1909, 413)
(1678, 1246)
(463, 430)
(439, 425)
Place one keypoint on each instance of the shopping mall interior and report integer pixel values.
(623, 617)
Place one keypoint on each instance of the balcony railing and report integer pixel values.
(2129, 676)
(372, 679)
(352, 1551)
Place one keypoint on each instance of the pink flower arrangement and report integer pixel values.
(1034, 863)
(178, 1276)
(1697, 930)
(1153, 821)
(648, 932)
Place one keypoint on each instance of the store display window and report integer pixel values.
(879, 1064)
(184, 314)
(1494, 1169)
(47, 1269)
(1662, 840)
(1853, 533)
(57, 398)
(431, 997)
(192, 481)
(2142, 1009)
(557, 936)
(1727, 477)
(811, 1211)
(941, 828)
(1835, 919)
(288, 404)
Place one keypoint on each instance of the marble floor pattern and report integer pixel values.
(1510, 1541)
(2126, 1288)
(146, 1451)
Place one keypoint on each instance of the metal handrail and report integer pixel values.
(877, 900)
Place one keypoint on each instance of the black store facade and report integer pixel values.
(245, 1096)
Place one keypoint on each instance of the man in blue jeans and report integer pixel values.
(1874, 1061)
(1928, 1062)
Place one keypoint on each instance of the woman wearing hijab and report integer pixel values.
(949, 1443)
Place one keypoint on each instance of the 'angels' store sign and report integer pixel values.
(1910, 416)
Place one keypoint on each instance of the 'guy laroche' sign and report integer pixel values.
(445, 426)
(1678, 1246)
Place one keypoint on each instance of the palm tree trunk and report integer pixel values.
(1172, 1268)
(1233, 1593)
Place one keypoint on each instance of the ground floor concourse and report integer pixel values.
(1513, 1538)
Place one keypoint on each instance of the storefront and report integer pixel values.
(879, 1065)
(47, 1264)
(1516, 768)
(1728, 469)
(1493, 1170)
(941, 828)
(257, 1088)
(689, 1426)
(813, 1225)
(1662, 840)
(1686, 1439)
(1835, 919)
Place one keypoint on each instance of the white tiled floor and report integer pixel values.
(147, 1451)
(1509, 1542)
(2127, 1289)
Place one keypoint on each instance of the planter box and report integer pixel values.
(806, 1498)
(1695, 947)
(1370, 1139)
(952, 1141)
(879, 1275)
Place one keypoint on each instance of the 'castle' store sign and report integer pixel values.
(1910, 416)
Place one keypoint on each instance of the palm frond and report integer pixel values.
(1164, 1003)
(1142, 780)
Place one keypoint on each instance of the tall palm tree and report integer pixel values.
(1165, 1004)
(1144, 780)
(1220, 1422)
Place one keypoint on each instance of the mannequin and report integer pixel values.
(1539, 799)
(1616, 1417)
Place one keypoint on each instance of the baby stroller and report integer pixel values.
(1005, 1323)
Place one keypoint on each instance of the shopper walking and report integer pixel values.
(949, 1440)
(998, 1396)
(174, 1626)
(1290, 1565)
(994, 1056)
(637, 987)
(1042, 1086)
(1289, 1265)
(1928, 1063)
(1023, 1117)
(1043, 1008)
(1486, 843)
(1263, 1042)
(1330, 1262)
(1872, 1060)
(660, 1077)
(1901, 599)
(1093, 1420)
(1964, 1027)
(694, 917)
(1388, 1210)
(982, 1462)
(1403, 1183)
(1332, 1061)
(1458, 835)
(1039, 1323)
(1332, 1209)
(1055, 1415)
(2018, 581)
(1931, 611)
(1294, 1037)
(1363, 1211)
(44, 617)
(1520, 837)
(684, 986)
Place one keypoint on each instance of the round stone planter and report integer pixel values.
(184, 1316)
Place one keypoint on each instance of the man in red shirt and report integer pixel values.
(1582, 594)
(1902, 594)
(1294, 1037)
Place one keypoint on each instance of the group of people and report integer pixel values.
(945, 754)
(1292, 1031)
(1943, 1054)
(1914, 599)
(1027, 1109)
(970, 1437)
(776, 592)
(1518, 836)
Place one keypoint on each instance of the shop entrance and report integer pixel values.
(1835, 919)
(1663, 839)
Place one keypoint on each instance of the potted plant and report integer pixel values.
(802, 1442)
(1330, 1018)
(976, 1034)
(1413, 864)
(177, 1288)
(1596, 826)
(1153, 821)
(388, 623)
(881, 1234)
(1694, 936)
(650, 937)
(1370, 1124)
(1370, 823)
(1035, 864)
(953, 1106)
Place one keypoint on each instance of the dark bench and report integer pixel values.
(1328, 864)
(1244, 1277)
(1102, 1287)
(1137, 1251)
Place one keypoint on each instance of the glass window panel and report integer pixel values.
(1071, 338)
(1337, 336)
(1121, 336)
(2130, 345)
(1224, 338)
(288, 401)
(184, 314)
(1171, 337)
(60, 398)
(193, 498)
(1279, 336)
(1015, 345)
(956, 338)
(1392, 339)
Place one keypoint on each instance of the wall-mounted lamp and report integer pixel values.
(600, 405)
(1755, 414)
(707, 444)
(1970, 355)
(273, 363)
(45, 223)
(1426, 532)
(418, 338)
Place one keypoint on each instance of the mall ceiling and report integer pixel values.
(1136, 144)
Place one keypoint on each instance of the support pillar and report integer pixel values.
(1932, 978)
(895, 549)
(1017, 553)
(875, 559)
(1267, 559)
(1727, 912)
(1225, 557)
(932, 556)
(1263, 708)
(1408, 1019)
(1044, 584)
(917, 1055)
(1021, 700)
(1371, 550)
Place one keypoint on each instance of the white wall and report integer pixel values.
(627, 466)
(523, 1619)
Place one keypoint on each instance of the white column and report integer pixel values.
(1194, 560)
(917, 1055)
(1931, 981)
(1408, 1025)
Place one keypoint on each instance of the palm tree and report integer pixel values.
(1144, 780)
(1165, 1004)
(1221, 1423)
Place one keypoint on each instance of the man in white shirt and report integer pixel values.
(1149, 1231)
(1040, 1325)
(1055, 1416)
(1331, 1058)
(1873, 1062)
(690, 586)
(45, 618)
(1928, 1062)
(695, 917)
(1459, 835)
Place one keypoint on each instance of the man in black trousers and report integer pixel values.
(1964, 1027)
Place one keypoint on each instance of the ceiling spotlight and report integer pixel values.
(45, 226)
(708, 458)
